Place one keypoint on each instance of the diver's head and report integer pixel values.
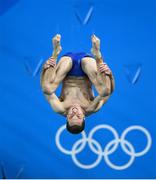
(75, 119)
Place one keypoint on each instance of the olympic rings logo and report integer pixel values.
(109, 149)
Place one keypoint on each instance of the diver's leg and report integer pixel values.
(98, 72)
(53, 75)
(89, 66)
(48, 70)
(104, 72)
(62, 69)
(97, 75)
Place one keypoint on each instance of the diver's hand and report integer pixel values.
(103, 68)
(56, 45)
(51, 62)
(95, 50)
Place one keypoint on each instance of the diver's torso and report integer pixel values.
(76, 90)
(76, 87)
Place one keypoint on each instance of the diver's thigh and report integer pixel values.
(63, 67)
(64, 60)
(89, 67)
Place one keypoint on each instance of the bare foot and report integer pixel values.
(56, 45)
(96, 46)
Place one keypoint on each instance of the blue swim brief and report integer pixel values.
(76, 69)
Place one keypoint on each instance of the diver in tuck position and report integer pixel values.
(77, 72)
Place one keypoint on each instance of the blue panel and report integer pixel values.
(119, 140)
(5, 5)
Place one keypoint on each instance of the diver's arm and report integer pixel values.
(94, 104)
(97, 103)
(55, 103)
(101, 99)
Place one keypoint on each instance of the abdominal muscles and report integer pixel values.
(76, 96)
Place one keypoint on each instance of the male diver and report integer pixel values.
(77, 72)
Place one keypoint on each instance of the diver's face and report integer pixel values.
(75, 116)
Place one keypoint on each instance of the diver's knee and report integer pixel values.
(66, 62)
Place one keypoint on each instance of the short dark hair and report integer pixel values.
(75, 129)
